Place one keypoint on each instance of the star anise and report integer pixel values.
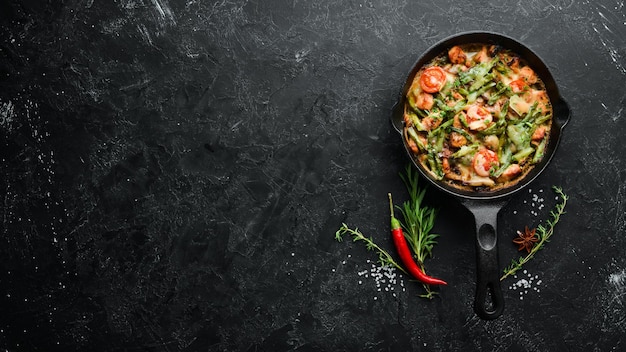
(526, 240)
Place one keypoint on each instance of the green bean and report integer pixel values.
(523, 153)
(474, 95)
(540, 151)
(519, 135)
(481, 82)
(505, 161)
(531, 114)
(503, 111)
(543, 118)
(441, 127)
(463, 133)
(501, 88)
(435, 164)
(416, 138)
(465, 150)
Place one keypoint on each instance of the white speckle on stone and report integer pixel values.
(526, 284)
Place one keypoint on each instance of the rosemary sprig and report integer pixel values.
(543, 233)
(383, 256)
(419, 220)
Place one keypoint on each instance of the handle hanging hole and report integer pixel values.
(489, 304)
(487, 236)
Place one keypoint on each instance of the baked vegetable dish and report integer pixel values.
(477, 117)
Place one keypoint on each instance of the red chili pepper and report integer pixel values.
(405, 253)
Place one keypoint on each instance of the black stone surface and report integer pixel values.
(173, 173)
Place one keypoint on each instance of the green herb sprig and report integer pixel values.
(357, 236)
(543, 233)
(419, 220)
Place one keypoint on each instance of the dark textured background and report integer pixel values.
(173, 173)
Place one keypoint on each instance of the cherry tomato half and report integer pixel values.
(432, 79)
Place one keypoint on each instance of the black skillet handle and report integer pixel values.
(488, 301)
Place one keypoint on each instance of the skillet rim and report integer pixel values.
(561, 111)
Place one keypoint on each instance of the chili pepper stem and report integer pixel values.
(395, 223)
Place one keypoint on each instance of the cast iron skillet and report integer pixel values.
(488, 301)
